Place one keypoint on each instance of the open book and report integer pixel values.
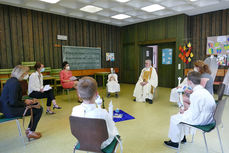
(73, 78)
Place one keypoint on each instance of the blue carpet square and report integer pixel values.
(125, 116)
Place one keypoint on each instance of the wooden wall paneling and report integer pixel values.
(36, 42)
(213, 23)
(227, 21)
(150, 30)
(224, 22)
(41, 37)
(46, 40)
(85, 33)
(218, 26)
(3, 50)
(203, 36)
(171, 24)
(198, 37)
(50, 39)
(54, 36)
(8, 38)
(72, 32)
(19, 36)
(14, 36)
(142, 31)
(80, 33)
(58, 53)
(25, 34)
(30, 35)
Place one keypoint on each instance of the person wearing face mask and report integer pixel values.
(200, 112)
(66, 79)
(206, 80)
(36, 88)
(146, 84)
(11, 102)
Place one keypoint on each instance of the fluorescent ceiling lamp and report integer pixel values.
(50, 1)
(123, 1)
(121, 16)
(193, 0)
(91, 9)
(153, 8)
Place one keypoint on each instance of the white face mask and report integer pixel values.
(68, 68)
(42, 70)
(195, 69)
(26, 77)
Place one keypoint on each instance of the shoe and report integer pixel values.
(28, 130)
(79, 101)
(171, 144)
(134, 99)
(149, 100)
(56, 106)
(184, 140)
(33, 135)
(49, 112)
(116, 95)
(108, 95)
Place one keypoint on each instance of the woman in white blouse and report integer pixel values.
(36, 88)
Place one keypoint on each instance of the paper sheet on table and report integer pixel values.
(47, 87)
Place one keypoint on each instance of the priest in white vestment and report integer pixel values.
(146, 84)
(112, 84)
(200, 112)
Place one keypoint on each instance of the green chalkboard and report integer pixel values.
(82, 58)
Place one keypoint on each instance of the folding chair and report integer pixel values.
(90, 134)
(208, 128)
(4, 120)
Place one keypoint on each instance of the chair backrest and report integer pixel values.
(90, 132)
(55, 72)
(219, 111)
(220, 91)
(5, 71)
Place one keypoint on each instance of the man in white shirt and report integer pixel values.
(87, 90)
(200, 112)
(146, 84)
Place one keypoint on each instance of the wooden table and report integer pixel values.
(104, 76)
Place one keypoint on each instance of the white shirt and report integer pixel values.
(35, 83)
(201, 109)
(90, 111)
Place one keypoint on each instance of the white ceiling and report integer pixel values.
(112, 7)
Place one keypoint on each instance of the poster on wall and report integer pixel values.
(167, 56)
(218, 45)
(110, 57)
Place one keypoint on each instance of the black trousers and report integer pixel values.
(47, 94)
(18, 112)
(36, 117)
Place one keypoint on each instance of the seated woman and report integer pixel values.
(206, 80)
(112, 84)
(66, 79)
(36, 88)
(12, 104)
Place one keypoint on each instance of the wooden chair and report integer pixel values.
(90, 134)
(56, 73)
(30, 65)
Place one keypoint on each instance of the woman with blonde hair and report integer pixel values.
(11, 102)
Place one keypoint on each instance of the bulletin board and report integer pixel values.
(218, 45)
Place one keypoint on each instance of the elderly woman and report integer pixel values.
(11, 102)
(36, 88)
(67, 80)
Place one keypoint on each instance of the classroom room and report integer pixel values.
(106, 76)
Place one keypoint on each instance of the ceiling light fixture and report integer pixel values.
(120, 16)
(123, 1)
(193, 0)
(153, 8)
(50, 1)
(91, 9)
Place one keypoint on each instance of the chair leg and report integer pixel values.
(120, 144)
(19, 130)
(220, 141)
(192, 138)
(205, 142)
